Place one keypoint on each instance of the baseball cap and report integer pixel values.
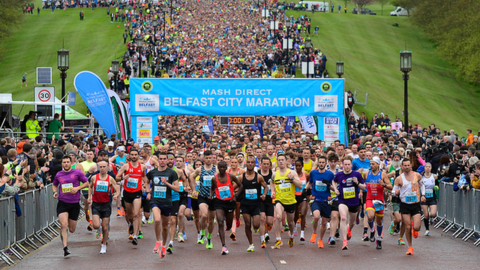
(24, 137)
(157, 138)
(102, 152)
(377, 160)
(381, 153)
(61, 143)
(121, 148)
(110, 143)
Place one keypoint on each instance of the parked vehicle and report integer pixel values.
(399, 11)
(365, 11)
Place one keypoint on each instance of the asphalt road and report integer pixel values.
(437, 251)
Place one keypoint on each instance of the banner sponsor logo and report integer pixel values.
(144, 125)
(144, 140)
(326, 103)
(143, 133)
(147, 103)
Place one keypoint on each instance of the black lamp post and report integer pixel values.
(171, 10)
(340, 70)
(164, 10)
(63, 65)
(115, 70)
(287, 24)
(139, 42)
(308, 46)
(406, 67)
(265, 9)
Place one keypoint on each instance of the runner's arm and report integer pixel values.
(118, 178)
(239, 184)
(386, 181)
(113, 183)
(296, 181)
(264, 185)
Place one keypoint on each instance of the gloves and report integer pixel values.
(326, 182)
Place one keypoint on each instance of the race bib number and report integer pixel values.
(102, 186)
(197, 183)
(207, 181)
(66, 188)
(269, 193)
(132, 183)
(224, 192)
(180, 186)
(303, 186)
(378, 205)
(429, 193)
(251, 194)
(160, 192)
(349, 193)
(285, 187)
(411, 197)
(320, 186)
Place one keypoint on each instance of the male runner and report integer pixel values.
(119, 160)
(250, 206)
(285, 181)
(132, 192)
(394, 172)
(266, 206)
(99, 191)
(163, 180)
(207, 210)
(85, 167)
(68, 207)
(348, 182)
(224, 201)
(320, 182)
(407, 186)
(184, 189)
(175, 201)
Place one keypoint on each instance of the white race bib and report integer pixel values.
(102, 186)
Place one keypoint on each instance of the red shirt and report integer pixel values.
(101, 189)
(224, 191)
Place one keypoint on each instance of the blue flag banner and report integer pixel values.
(254, 127)
(289, 124)
(210, 125)
(260, 127)
(94, 93)
(229, 134)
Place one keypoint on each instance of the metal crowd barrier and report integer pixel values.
(459, 211)
(37, 225)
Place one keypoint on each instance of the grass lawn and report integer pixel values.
(369, 45)
(92, 42)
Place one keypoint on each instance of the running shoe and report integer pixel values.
(331, 241)
(238, 223)
(180, 238)
(123, 212)
(286, 228)
(209, 243)
(163, 253)
(357, 221)
(379, 244)
(201, 240)
(410, 251)
(337, 234)
(345, 245)
(224, 251)
(185, 236)
(157, 247)
(233, 237)
(401, 242)
(349, 234)
(328, 225)
(170, 248)
(427, 233)
(320, 244)
(264, 244)
(66, 251)
(365, 237)
(302, 238)
(278, 244)
(144, 220)
(295, 231)
(130, 229)
(119, 212)
(431, 221)
(103, 249)
(267, 237)
(291, 242)
(414, 233)
(250, 248)
(269, 227)
(98, 234)
(87, 216)
(313, 239)
(391, 229)
(135, 241)
(130, 237)
(150, 219)
(372, 236)
(90, 226)
(140, 235)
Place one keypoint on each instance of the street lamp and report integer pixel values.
(139, 42)
(63, 65)
(286, 41)
(308, 46)
(171, 10)
(164, 10)
(273, 27)
(115, 69)
(406, 67)
(340, 69)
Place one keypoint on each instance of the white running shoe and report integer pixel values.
(427, 233)
(328, 225)
(103, 249)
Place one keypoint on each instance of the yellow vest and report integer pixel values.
(33, 127)
(284, 188)
(86, 166)
(308, 166)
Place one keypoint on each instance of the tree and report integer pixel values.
(10, 15)
(346, 2)
(406, 4)
(382, 3)
(361, 4)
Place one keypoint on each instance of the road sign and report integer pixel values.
(44, 75)
(44, 94)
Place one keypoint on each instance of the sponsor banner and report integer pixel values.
(308, 124)
(331, 129)
(144, 129)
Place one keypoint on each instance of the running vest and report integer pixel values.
(374, 189)
(149, 165)
(206, 181)
(237, 174)
(176, 195)
(251, 191)
(86, 166)
(409, 192)
(224, 191)
(135, 178)
(285, 189)
(101, 190)
(428, 185)
(303, 178)
(118, 159)
(308, 166)
(268, 179)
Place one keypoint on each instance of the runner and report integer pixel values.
(407, 186)
(85, 167)
(235, 170)
(348, 182)
(252, 184)
(301, 206)
(284, 182)
(132, 192)
(68, 207)
(223, 195)
(429, 201)
(175, 201)
(334, 227)
(184, 189)
(119, 160)
(320, 182)
(207, 210)
(99, 192)
(376, 182)
(266, 206)
(395, 227)
(194, 197)
(163, 180)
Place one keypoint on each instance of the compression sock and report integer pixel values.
(365, 230)
(209, 236)
(202, 232)
(379, 230)
(427, 224)
(370, 224)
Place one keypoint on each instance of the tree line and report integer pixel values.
(10, 16)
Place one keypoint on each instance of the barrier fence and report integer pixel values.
(459, 211)
(37, 224)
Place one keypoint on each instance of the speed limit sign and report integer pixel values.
(44, 94)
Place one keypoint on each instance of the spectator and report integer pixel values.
(469, 137)
(55, 126)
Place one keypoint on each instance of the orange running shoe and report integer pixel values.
(320, 244)
(349, 234)
(264, 244)
(163, 253)
(123, 212)
(313, 239)
(119, 212)
(414, 233)
(157, 247)
(298, 220)
(269, 227)
(130, 237)
(345, 245)
(410, 251)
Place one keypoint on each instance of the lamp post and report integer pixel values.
(63, 65)
(406, 67)
(115, 69)
(308, 46)
(171, 10)
(265, 8)
(287, 23)
(340, 70)
(164, 10)
(273, 27)
(139, 42)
